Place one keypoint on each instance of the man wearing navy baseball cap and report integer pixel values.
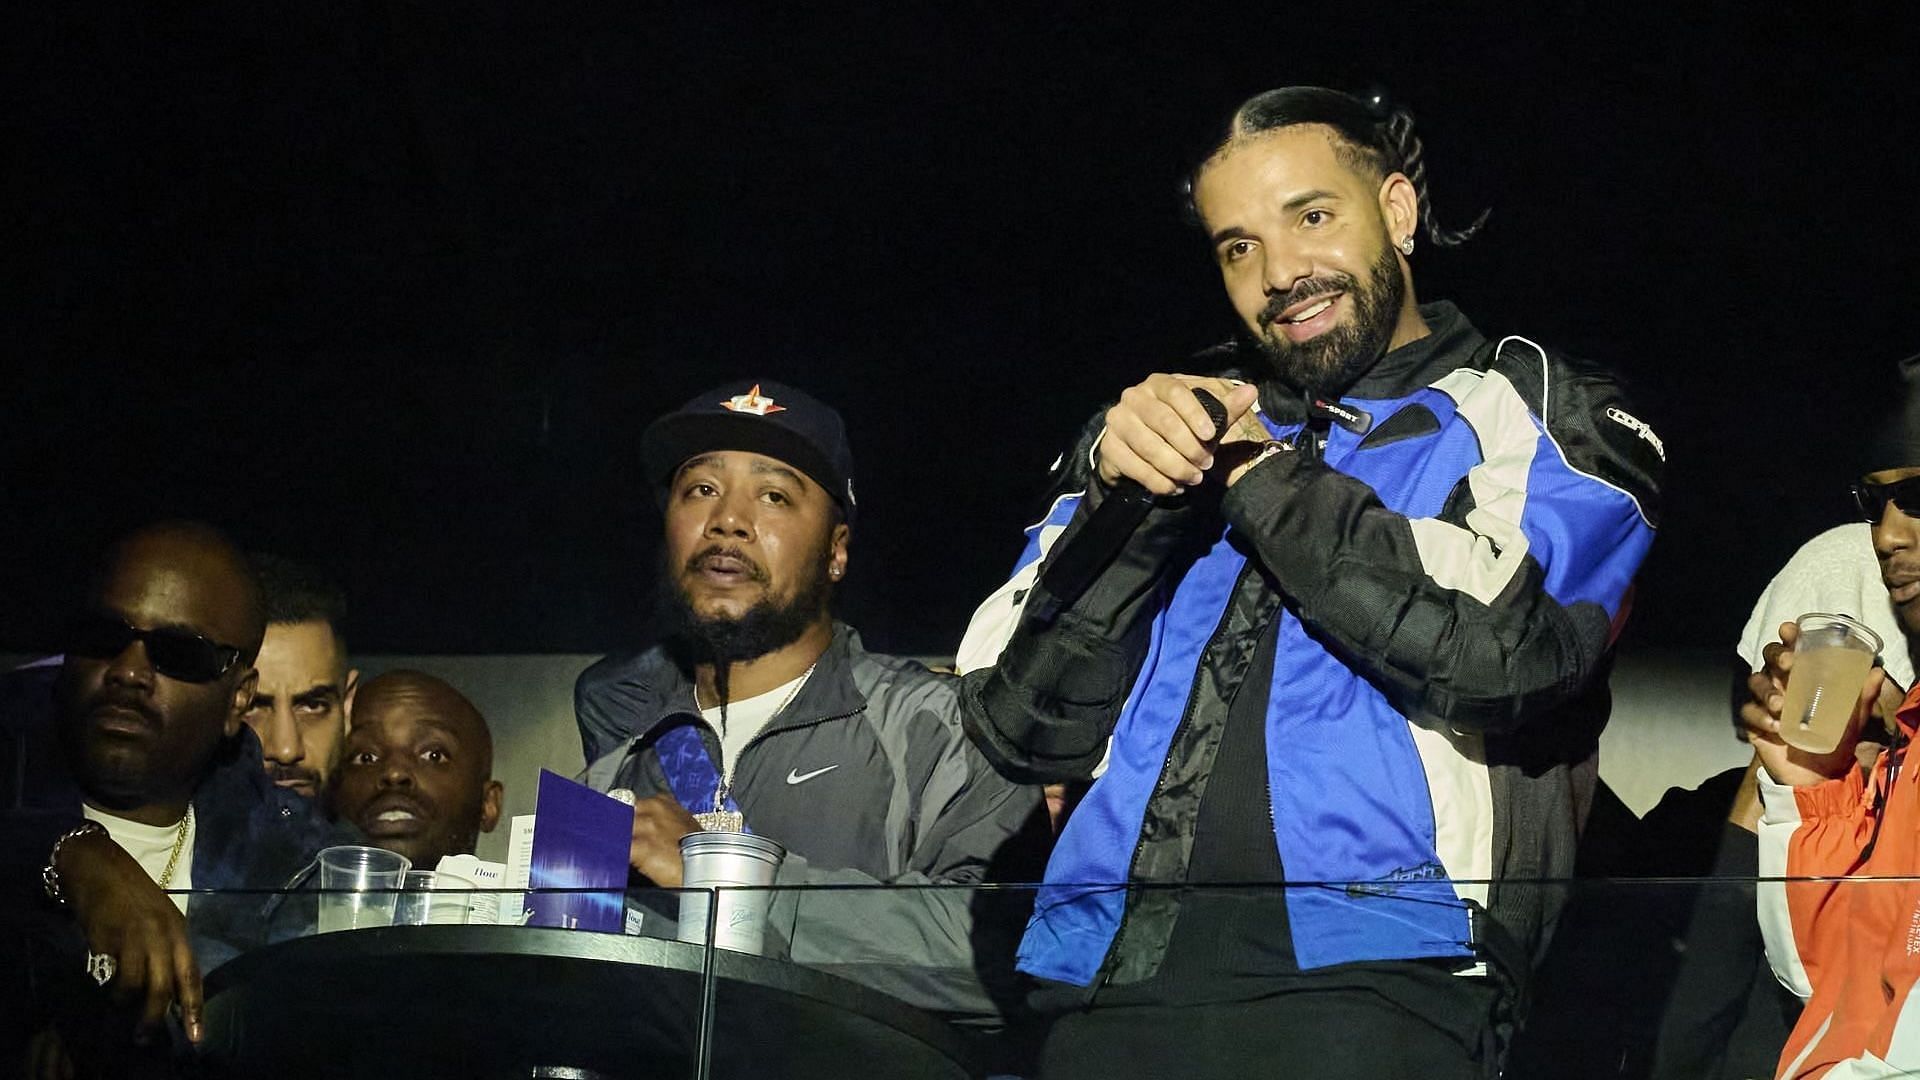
(759, 711)
(766, 417)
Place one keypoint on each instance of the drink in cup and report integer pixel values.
(1831, 660)
(433, 899)
(359, 887)
(739, 868)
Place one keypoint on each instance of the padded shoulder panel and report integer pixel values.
(1590, 418)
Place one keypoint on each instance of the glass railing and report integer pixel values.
(1593, 977)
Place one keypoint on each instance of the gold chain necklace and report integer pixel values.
(179, 844)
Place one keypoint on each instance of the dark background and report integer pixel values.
(395, 286)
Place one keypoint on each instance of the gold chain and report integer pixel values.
(179, 843)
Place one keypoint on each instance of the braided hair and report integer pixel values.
(1371, 135)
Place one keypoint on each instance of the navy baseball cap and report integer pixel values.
(759, 416)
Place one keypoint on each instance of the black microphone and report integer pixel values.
(1072, 568)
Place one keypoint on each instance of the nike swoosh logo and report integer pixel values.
(795, 776)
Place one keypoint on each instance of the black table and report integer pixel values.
(502, 1001)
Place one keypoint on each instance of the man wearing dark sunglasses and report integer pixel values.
(1844, 950)
(153, 784)
(1900, 487)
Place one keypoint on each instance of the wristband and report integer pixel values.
(50, 873)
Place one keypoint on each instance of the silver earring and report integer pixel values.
(1406, 246)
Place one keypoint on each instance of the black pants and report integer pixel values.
(1334, 1033)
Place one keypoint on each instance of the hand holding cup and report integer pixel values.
(1761, 716)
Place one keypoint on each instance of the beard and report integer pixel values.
(278, 773)
(1327, 365)
(123, 774)
(723, 640)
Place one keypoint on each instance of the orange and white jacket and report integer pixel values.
(1849, 946)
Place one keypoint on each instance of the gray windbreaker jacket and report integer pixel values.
(868, 780)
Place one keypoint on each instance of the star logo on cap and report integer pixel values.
(752, 402)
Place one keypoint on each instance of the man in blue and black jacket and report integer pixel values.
(1358, 644)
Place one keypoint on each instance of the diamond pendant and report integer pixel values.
(721, 819)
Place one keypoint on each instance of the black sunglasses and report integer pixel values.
(1872, 498)
(177, 654)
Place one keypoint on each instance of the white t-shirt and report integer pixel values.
(151, 846)
(747, 717)
(1837, 573)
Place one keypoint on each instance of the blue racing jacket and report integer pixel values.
(1448, 550)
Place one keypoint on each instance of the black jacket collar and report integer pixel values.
(1449, 341)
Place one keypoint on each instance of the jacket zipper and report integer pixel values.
(726, 773)
(1112, 959)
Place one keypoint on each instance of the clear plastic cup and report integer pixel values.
(433, 899)
(739, 868)
(1831, 660)
(359, 887)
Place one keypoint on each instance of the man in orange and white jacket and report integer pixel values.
(1848, 945)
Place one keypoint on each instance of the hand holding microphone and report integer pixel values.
(1160, 436)
(1170, 426)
